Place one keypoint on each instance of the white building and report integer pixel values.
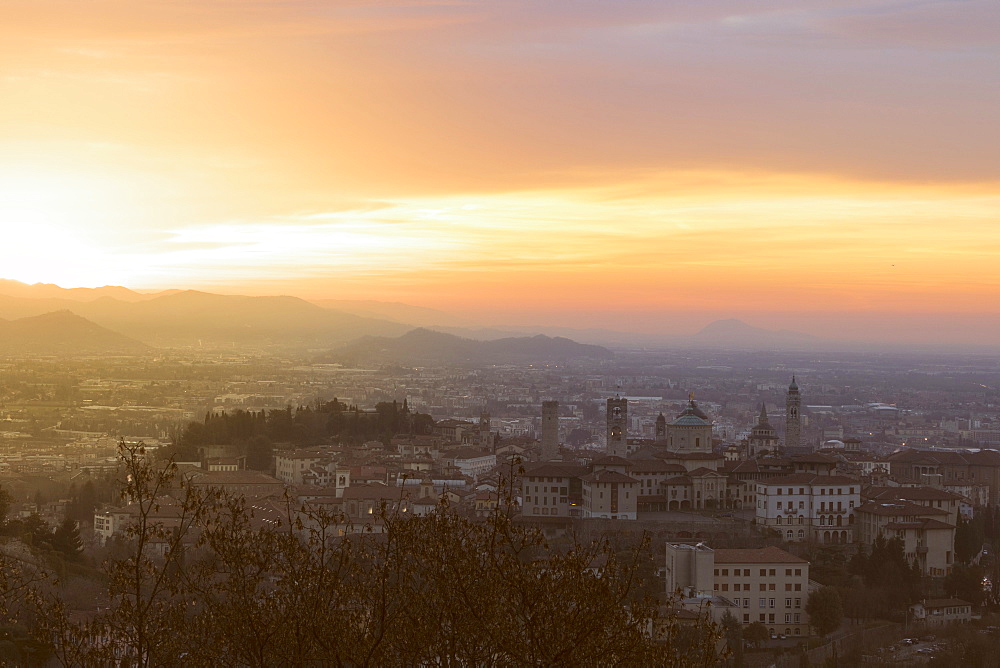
(805, 506)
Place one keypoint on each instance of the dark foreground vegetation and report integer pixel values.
(224, 585)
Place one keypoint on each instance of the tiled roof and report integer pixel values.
(919, 524)
(898, 509)
(609, 476)
(910, 493)
(944, 603)
(811, 479)
(612, 460)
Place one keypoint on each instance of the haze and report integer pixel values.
(828, 167)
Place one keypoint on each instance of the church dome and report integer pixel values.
(689, 420)
(692, 409)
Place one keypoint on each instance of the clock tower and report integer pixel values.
(618, 426)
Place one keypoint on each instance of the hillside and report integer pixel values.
(191, 318)
(63, 333)
(426, 346)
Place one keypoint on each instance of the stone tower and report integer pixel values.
(763, 437)
(550, 430)
(661, 428)
(793, 416)
(485, 435)
(618, 426)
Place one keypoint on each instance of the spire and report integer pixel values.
(794, 386)
(763, 413)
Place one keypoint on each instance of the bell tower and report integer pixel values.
(618, 426)
(550, 430)
(793, 416)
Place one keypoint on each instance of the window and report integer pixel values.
(788, 602)
(798, 587)
(725, 571)
(716, 572)
(746, 572)
(771, 586)
(746, 603)
(772, 573)
(746, 618)
(798, 571)
(788, 586)
(762, 603)
(763, 572)
(763, 587)
(725, 587)
(788, 571)
(798, 604)
(770, 603)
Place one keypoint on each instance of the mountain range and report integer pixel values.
(189, 318)
(427, 346)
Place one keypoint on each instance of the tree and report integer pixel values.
(756, 633)
(733, 631)
(825, 610)
(66, 540)
(230, 583)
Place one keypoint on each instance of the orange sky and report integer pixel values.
(569, 161)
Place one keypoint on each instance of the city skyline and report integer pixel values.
(627, 166)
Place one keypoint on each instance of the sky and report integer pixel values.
(830, 167)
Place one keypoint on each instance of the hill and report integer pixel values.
(63, 333)
(427, 346)
(192, 318)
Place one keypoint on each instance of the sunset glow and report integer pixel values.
(582, 163)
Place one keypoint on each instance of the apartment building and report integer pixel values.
(928, 538)
(767, 585)
(806, 506)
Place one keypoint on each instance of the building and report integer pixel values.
(291, 466)
(928, 539)
(690, 431)
(472, 462)
(763, 439)
(617, 422)
(806, 506)
(941, 611)
(767, 585)
(978, 467)
(793, 416)
(609, 492)
(553, 489)
(550, 430)
(923, 496)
